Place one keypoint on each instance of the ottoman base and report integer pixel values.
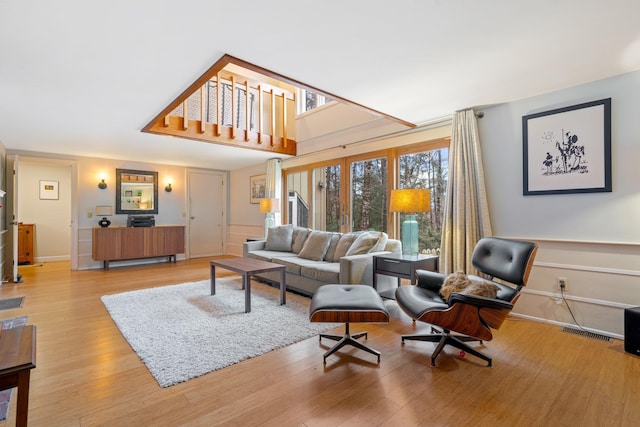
(347, 339)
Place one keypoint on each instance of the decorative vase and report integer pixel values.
(104, 222)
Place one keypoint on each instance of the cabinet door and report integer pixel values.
(174, 240)
(133, 242)
(25, 243)
(107, 243)
(153, 241)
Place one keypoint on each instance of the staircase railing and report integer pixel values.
(298, 210)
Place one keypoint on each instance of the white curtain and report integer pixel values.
(466, 213)
(273, 188)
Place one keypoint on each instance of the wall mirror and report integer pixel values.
(136, 192)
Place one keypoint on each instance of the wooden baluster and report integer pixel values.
(166, 121)
(273, 116)
(185, 112)
(203, 109)
(260, 114)
(234, 107)
(284, 119)
(247, 114)
(218, 105)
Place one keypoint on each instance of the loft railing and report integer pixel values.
(256, 108)
(228, 108)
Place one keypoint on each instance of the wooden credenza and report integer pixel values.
(25, 243)
(120, 243)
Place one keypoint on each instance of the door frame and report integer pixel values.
(12, 163)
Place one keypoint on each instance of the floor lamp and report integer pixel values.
(269, 207)
(410, 201)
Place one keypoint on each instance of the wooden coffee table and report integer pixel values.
(248, 267)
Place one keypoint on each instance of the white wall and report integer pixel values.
(52, 218)
(35, 166)
(592, 239)
(171, 206)
(245, 219)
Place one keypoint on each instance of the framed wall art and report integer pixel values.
(49, 190)
(568, 150)
(257, 188)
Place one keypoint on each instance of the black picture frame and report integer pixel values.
(568, 150)
(143, 190)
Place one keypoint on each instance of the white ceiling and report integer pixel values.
(81, 77)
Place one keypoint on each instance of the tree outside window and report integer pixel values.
(428, 169)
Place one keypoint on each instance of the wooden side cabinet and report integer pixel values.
(120, 243)
(25, 243)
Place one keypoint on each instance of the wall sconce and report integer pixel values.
(168, 188)
(102, 185)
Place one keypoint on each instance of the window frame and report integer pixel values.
(393, 166)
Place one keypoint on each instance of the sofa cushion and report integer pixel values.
(300, 235)
(279, 238)
(327, 272)
(333, 245)
(345, 242)
(316, 245)
(364, 244)
(294, 264)
(269, 255)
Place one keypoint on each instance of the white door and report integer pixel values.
(207, 204)
(12, 177)
(17, 278)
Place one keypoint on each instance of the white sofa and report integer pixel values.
(314, 258)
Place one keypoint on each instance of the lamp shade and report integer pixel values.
(104, 210)
(269, 205)
(410, 200)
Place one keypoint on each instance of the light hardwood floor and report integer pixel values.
(87, 374)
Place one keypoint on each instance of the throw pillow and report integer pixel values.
(300, 235)
(364, 243)
(315, 246)
(458, 282)
(279, 238)
(382, 242)
(333, 245)
(344, 244)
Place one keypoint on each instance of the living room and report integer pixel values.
(591, 239)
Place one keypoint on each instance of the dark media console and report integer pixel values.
(141, 221)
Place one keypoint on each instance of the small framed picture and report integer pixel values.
(49, 190)
(257, 188)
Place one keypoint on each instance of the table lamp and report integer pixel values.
(104, 212)
(410, 201)
(268, 207)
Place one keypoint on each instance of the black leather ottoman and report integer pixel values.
(347, 304)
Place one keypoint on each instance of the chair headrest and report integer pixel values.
(506, 259)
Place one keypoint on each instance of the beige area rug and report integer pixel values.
(181, 332)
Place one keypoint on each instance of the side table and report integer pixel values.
(17, 359)
(401, 266)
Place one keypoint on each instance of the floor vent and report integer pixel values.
(587, 334)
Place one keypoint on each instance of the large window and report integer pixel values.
(351, 193)
(308, 100)
(427, 169)
(369, 194)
